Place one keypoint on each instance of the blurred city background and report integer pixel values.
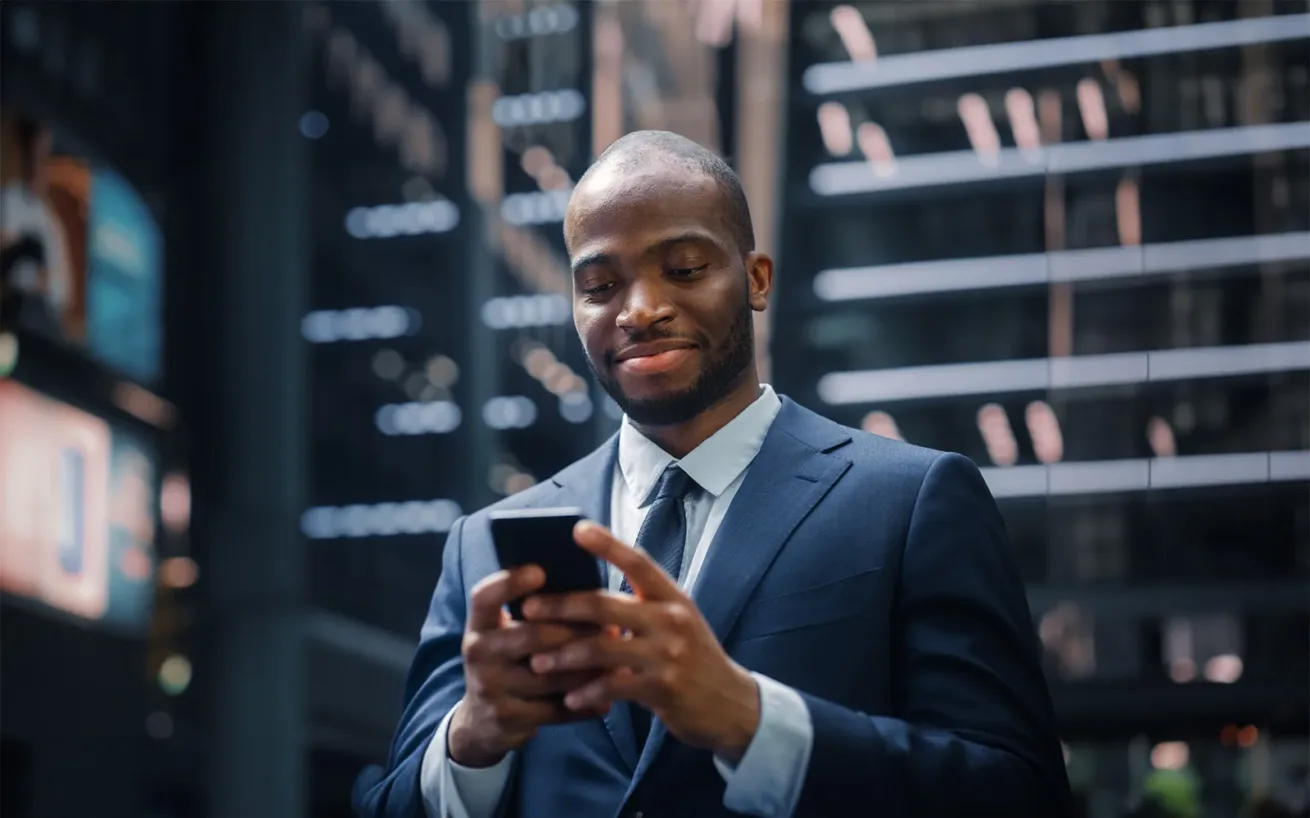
(285, 293)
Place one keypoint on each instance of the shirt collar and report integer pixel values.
(714, 464)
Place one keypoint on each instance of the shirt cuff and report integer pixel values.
(769, 779)
(454, 791)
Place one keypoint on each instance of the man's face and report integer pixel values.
(662, 295)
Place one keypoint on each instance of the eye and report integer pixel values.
(598, 289)
(687, 272)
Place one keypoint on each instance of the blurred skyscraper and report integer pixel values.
(1072, 241)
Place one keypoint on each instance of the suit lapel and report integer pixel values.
(792, 472)
(589, 485)
(786, 481)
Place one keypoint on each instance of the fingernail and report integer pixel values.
(531, 607)
(543, 662)
(575, 701)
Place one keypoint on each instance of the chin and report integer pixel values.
(664, 386)
(659, 413)
(661, 407)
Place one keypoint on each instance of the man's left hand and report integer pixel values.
(667, 660)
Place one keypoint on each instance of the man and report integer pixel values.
(816, 621)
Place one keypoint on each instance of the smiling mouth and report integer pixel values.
(656, 362)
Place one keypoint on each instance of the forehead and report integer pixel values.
(617, 206)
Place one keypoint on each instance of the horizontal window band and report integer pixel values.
(962, 167)
(1074, 372)
(1029, 269)
(1147, 474)
(826, 79)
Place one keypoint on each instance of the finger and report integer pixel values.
(647, 578)
(598, 608)
(519, 640)
(526, 715)
(495, 590)
(619, 685)
(595, 710)
(598, 653)
(513, 714)
(522, 683)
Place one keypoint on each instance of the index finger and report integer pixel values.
(643, 574)
(498, 589)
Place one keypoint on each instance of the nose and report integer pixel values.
(645, 304)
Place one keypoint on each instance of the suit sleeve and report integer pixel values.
(974, 733)
(434, 686)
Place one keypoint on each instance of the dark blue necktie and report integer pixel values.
(663, 537)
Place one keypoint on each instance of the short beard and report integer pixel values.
(720, 376)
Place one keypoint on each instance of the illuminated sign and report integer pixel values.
(123, 281)
(80, 252)
(77, 511)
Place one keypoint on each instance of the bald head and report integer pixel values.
(665, 281)
(641, 152)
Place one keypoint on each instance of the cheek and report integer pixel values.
(584, 317)
(589, 327)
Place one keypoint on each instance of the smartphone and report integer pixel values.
(544, 537)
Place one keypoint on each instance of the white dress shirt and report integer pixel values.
(768, 780)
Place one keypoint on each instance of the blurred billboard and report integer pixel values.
(77, 512)
(79, 251)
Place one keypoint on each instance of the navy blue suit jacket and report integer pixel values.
(872, 576)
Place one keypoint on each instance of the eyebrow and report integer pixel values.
(592, 259)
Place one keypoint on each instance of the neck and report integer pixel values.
(681, 439)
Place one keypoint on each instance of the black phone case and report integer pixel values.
(544, 537)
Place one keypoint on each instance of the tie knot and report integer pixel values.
(674, 484)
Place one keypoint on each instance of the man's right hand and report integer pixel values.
(505, 702)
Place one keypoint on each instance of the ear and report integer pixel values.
(759, 278)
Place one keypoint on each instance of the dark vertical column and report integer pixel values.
(602, 425)
(483, 370)
(249, 437)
